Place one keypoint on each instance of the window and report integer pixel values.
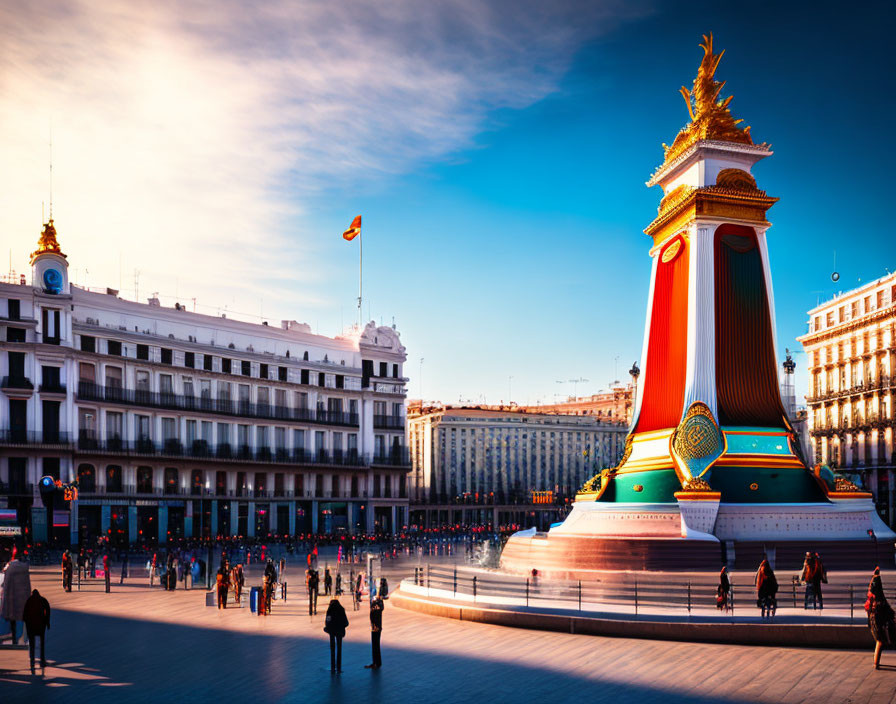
(144, 480)
(196, 483)
(321, 379)
(191, 433)
(243, 390)
(242, 436)
(50, 378)
(166, 385)
(226, 365)
(113, 479)
(15, 334)
(340, 381)
(143, 352)
(169, 429)
(263, 371)
(281, 373)
(167, 356)
(86, 478)
(114, 428)
(188, 387)
(246, 368)
(50, 411)
(190, 359)
(144, 433)
(334, 489)
(86, 424)
(394, 371)
(384, 369)
(221, 483)
(207, 362)
(264, 398)
(88, 343)
(306, 377)
(51, 326)
(171, 480)
(113, 347)
(223, 434)
(113, 378)
(298, 440)
(15, 311)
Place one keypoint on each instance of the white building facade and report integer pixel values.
(502, 457)
(177, 424)
(851, 352)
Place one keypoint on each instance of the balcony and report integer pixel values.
(396, 457)
(17, 385)
(88, 391)
(88, 443)
(388, 422)
(52, 388)
(35, 438)
(863, 387)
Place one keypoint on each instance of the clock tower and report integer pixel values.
(49, 266)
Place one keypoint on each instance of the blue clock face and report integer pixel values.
(53, 281)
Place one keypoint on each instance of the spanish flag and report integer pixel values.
(354, 230)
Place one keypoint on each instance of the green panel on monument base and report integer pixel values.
(657, 486)
(766, 485)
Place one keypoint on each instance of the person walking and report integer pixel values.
(376, 631)
(107, 574)
(359, 590)
(124, 567)
(723, 593)
(237, 580)
(36, 615)
(335, 624)
(881, 619)
(338, 584)
(312, 581)
(766, 589)
(807, 577)
(328, 582)
(222, 580)
(152, 569)
(67, 571)
(384, 588)
(14, 594)
(820, 577)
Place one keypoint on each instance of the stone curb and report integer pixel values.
(840, 636)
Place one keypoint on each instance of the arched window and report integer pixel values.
(144, 480)
(171, 486)
(113, 479)
(86, 478)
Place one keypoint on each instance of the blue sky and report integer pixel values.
(497, 152)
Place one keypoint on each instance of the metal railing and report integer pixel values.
(200, 449)
(843, 601)
(34, 437)
(88, 391)
(388, 422)
(16, 382)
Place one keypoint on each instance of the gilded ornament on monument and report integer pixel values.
(710, 117)
(697, 441)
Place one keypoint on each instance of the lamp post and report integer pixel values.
(635, 372)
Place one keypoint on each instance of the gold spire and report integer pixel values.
(47, 243)
(710, 117)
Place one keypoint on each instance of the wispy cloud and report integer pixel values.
(188, 137)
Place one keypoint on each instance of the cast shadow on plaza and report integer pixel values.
(105, 658)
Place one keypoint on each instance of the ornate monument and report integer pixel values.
(712, 470)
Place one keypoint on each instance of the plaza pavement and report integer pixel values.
(146, 645)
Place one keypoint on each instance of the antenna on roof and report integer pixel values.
(51, 170)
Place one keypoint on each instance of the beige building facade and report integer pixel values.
(851, 353)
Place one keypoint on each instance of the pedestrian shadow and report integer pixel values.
(114, 659)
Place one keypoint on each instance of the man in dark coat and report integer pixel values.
(328, 582)
(313, 582)
(37, 621)
(67, 571)
(335, 624)
(376, 631)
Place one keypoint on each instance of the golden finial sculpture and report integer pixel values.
(47, 243)
(710, 116)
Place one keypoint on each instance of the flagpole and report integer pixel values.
(360, 273)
